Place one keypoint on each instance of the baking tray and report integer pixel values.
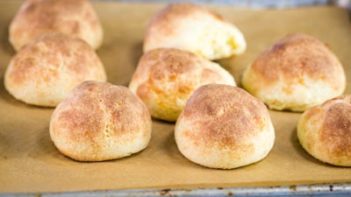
(29, 162)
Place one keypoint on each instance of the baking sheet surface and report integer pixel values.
(29, 161)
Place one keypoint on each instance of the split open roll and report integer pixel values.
(194, 28)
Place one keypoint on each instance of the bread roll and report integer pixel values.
(195, 29)
(224, 127)
(99, 121)
(324, 131)
(296, 73)
(75, 18)
(46, 70)
(165, 79)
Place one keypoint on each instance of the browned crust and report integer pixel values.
(94, 109)
(161, 65)
(335, 131)
(224, 115)
(36, 18)
(42, 60)
(296, 56)
(80, 116)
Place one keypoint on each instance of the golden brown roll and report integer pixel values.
(324, 131)
(297, 72)
(38, 17)
(99, 121)
(46, 70)
(195, 29)
(165, 79)
(224, 127)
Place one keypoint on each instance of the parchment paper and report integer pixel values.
(29, 162)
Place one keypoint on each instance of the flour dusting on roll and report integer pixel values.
(324, 131)
(100, 121)
(224, 127)
(297, 72)
(76, 18)
(47, 69)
